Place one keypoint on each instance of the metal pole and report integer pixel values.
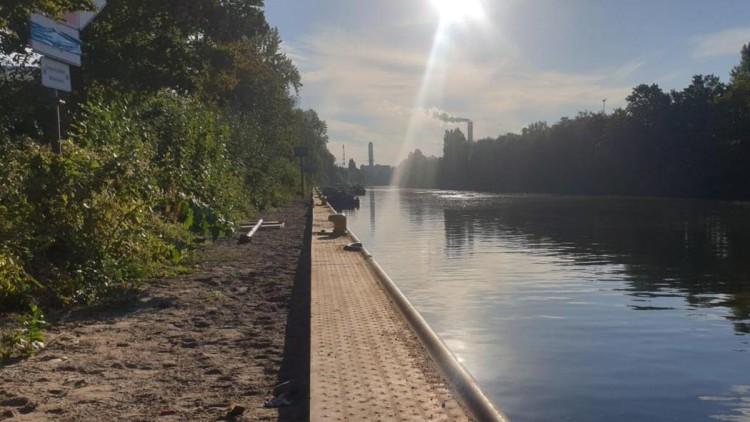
(57, 144)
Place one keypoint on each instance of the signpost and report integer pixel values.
(59, 41)
(55, 40)
(55, 75)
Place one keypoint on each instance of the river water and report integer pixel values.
(578, 308)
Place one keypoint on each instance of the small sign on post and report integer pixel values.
(55, 75)
(55, 40)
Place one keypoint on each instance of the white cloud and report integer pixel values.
(628, 69)
(365, 84)
(724, 43)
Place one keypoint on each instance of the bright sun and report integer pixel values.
(458, 10)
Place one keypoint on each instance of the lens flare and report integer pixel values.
(454, 15)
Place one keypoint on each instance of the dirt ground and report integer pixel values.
(188, 348)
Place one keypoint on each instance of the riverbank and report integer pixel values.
(366, 359)
(187, 348)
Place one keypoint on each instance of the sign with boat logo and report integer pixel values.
(55, 40)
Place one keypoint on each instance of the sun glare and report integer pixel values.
(458, 10)
(453, 13)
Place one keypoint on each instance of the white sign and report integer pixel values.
(55, 75)
(81, 19)
(55, 40)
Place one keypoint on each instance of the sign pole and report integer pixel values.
(57, 144)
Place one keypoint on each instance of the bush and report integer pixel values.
(140, 177)
(122, 203)
(26, 340)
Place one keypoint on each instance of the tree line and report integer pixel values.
(689, 143)
(182, 121)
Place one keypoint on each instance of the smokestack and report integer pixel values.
(372, 155)
(447, 118)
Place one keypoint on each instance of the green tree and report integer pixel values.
(455, 159)
(418, 171)
(741, 72)
(311, 132)
(648, 104)
(694, 142)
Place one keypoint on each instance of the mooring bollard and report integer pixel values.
(339, 223)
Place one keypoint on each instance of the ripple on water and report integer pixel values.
(583, 309)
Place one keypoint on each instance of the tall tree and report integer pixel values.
(455, 159)
(648, 104)
(742, 70)
(178, 44)
(689, 143)
(311, 132)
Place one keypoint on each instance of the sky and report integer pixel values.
(380, 71)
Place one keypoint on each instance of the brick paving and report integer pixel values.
(366, 364)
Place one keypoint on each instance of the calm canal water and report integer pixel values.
(578, 308)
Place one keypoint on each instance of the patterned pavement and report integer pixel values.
(366, 364)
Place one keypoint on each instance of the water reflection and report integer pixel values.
(666, 247)
(416, 206)
(372, 194)
(459, 234)
(583, 309)
(737, 402)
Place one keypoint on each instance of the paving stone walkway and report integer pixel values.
(366, 364)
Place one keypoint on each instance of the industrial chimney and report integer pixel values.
(470, 131)
(371, 155)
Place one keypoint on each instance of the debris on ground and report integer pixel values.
(354, 247)
(282, 394)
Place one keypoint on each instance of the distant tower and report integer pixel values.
(372, 155)
(343, 155)
(470, 130)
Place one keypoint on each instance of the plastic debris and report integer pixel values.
(280, 401)
(289, 388)
(356, 247)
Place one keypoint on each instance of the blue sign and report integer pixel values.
(55, 40)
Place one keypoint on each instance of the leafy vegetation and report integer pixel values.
(183, 121)
(27, 339)
(689, 143)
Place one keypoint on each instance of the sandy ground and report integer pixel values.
(187, 348)
(190, 348)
